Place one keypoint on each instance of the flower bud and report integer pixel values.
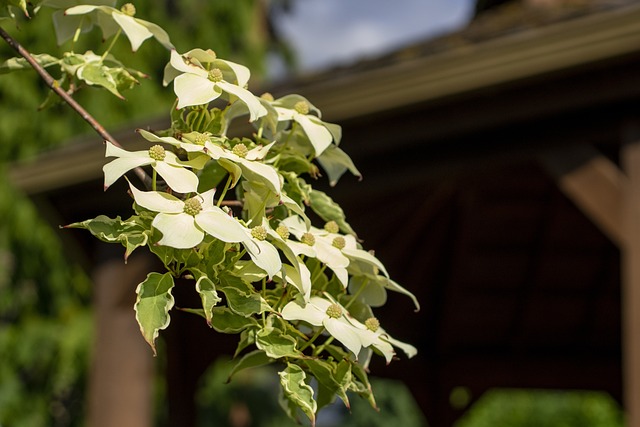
(283, 231)
(332, 227)
(372, 324)
(334, 311)
(339, 242)
(259, 232)
(308, 239)
(128, 9)
(301, 107)
(215, 75)
(240, 150)
(267, 97)
(192, 206)
(157, 152)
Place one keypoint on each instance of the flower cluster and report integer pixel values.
(231, 214)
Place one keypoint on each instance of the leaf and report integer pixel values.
(297, 391)
(329, 210)
(360, 384)
(208, 294)
(226, 321)
(19, 64)
(244, 304)
(235, 171)
(336, 162)
(97, 74)
(250, 360)
(153, 304)
(129, 233)
(276, 344)
(326, 375)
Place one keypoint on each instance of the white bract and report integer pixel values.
(330, 315)
(297, 109)
(110, 20)
(199, 77)
(166, 163)
(183, 223)
(313, 244)
(263, 253)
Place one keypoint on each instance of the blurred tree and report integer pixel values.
(45, 321)
(542, 408)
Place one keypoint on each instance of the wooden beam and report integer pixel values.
(630, 159)
(593, 182)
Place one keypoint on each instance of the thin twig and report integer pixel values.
(55, 86)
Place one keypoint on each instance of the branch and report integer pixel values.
(55, 86)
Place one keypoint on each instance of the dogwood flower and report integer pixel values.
(199, 77)
(110, 19)
(183, 224)
(372, 335)
(296, 108)
(313, 244)
(166, 163)
(263, 253)
(328, 314)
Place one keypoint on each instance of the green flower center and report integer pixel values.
(192, 206)
(240, 150)
(372, 324)
(157, 152)
(200, 139)
(308, 239)
(339, 242)
(259, 232)
(283, 231)
(128, 9)
(334, 311)
(332, 227)
(267, 97)
(301, 107)
(215, 75)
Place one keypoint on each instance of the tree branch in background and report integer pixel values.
(53, 84)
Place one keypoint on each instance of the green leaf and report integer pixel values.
(244, 304)
(297, 391)
(211, 176)
(153, 304)
(250, 360)
(19, 64)
(326, 374)
(336, 162)
(226, 321)
(208, 294)
(97, 74)
(129, 233)
(276, 344)
(233, 169)
(361, 385)
(329, 210)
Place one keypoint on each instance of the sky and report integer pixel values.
(326, 33)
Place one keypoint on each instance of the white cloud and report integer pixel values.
(325, 32)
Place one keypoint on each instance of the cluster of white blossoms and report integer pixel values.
(230, 214)
(200, 77)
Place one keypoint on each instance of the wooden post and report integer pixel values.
(120, 389)
(630, 158)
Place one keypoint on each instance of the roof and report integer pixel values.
(499, 48)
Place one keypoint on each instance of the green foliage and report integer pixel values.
(261, 269)
(543, 408)
(45, 325)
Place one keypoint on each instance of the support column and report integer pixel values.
(120, 388)
(630, 158)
